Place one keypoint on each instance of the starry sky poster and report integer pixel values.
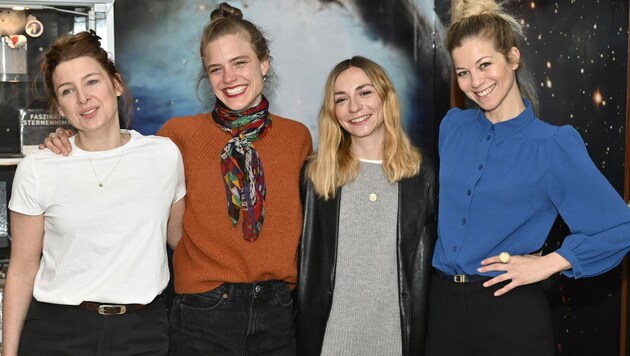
(578, 52)
(157, 48)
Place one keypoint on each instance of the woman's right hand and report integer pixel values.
(58, 141)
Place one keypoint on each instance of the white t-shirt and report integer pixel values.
(104, 244)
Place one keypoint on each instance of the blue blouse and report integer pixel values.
(502, 186)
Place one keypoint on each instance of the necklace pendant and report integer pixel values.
(373, 197)
(100, 182)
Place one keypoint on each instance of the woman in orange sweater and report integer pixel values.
(233, 274)
(236, 261)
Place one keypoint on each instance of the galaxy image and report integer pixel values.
(157, 48)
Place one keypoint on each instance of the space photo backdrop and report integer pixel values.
(578, 52)
(576, 49)
(157, 48)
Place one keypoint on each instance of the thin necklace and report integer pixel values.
(100, 182)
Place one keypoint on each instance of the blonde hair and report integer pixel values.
(487, 19)
(334, 165)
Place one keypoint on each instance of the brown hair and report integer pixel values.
(228, 20)
(334, 165)
(83, 44)
(487, 19)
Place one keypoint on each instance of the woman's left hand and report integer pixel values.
(522, 270)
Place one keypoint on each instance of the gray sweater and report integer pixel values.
(365, 315)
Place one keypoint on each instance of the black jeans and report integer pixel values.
(53, 329)
(234, 319)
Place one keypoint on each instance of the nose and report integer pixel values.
(82, 96)
(476, 79)
(228, 75)
(355, 105)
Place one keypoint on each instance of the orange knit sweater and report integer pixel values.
(211, 250)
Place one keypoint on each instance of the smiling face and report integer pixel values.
(488, 79)
(234, 71)
(86, 95)
(358, 107)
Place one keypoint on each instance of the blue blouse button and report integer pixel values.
(488, 137)
(480, 167)
(464, 221)
(468, 192)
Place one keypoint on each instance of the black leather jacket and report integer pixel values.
(416, 234)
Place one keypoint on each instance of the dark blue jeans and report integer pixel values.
(234, 319)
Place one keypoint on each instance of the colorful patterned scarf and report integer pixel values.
(240, 164)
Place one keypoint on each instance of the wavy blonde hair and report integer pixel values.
(334, 165)
(487, 19)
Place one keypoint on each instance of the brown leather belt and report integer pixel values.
(112, 309)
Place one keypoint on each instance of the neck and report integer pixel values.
(367, 148)
(511, 107)
(92, 142)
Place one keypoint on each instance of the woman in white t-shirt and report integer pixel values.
(89, 231)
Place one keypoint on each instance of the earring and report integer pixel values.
(265, 78)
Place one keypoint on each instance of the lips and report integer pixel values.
(486, 91)
(234, 91)
(360, 120)
(89, 112)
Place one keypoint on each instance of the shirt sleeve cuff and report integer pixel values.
(576, 267)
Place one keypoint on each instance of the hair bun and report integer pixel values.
(461, 9)
(225, 10)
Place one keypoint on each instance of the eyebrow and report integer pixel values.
(483, 58)
(476, 62)
(231, 60)
(82, 78)
(358, 88)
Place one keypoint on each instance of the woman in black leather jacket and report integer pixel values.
(369, 224)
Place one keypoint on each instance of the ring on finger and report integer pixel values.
(504, 257)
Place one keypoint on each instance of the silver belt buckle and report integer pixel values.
(112, 309)
(459, 278)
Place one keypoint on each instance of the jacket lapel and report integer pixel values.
(412, 197)
(329, 213)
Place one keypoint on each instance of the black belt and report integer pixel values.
(115, 309)
(112, 309)
(460, 278)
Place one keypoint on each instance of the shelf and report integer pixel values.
(12, 161)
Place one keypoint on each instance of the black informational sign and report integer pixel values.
(38, 123)
(4, 222)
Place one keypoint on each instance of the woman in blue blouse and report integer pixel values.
(504, 177)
